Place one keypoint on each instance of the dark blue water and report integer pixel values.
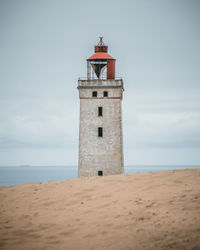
(15, 175)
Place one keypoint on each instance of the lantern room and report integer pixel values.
(101, 65)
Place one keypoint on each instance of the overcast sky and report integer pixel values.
(44, 45)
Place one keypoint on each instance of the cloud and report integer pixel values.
(43, 51)
(52, 125)
(153, 121)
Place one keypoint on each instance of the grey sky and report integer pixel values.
(43, 48)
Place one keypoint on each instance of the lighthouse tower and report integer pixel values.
(100, 131)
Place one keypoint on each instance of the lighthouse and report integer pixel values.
(100, 128)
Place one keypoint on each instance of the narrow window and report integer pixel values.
(100, 111)
(94, 93)
(100, 173)
(105, 93)
(100, 132)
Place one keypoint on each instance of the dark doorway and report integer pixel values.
(100, 173)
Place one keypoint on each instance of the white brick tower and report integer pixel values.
(100, 131)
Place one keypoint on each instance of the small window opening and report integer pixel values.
(100, 132)
(105, 93)
(100, 111)
(94, 93)
(100, 173)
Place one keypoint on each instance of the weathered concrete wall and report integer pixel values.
(100, 153)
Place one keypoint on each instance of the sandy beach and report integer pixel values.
(159, 210)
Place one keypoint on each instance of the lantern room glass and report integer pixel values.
(97, 69)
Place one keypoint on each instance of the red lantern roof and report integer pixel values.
(100, 52)
(100, 55)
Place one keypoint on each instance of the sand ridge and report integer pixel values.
(159, 210)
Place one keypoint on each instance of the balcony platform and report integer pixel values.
(100, 83)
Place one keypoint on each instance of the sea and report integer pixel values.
(24, 174)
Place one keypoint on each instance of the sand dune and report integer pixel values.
(139, 211)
